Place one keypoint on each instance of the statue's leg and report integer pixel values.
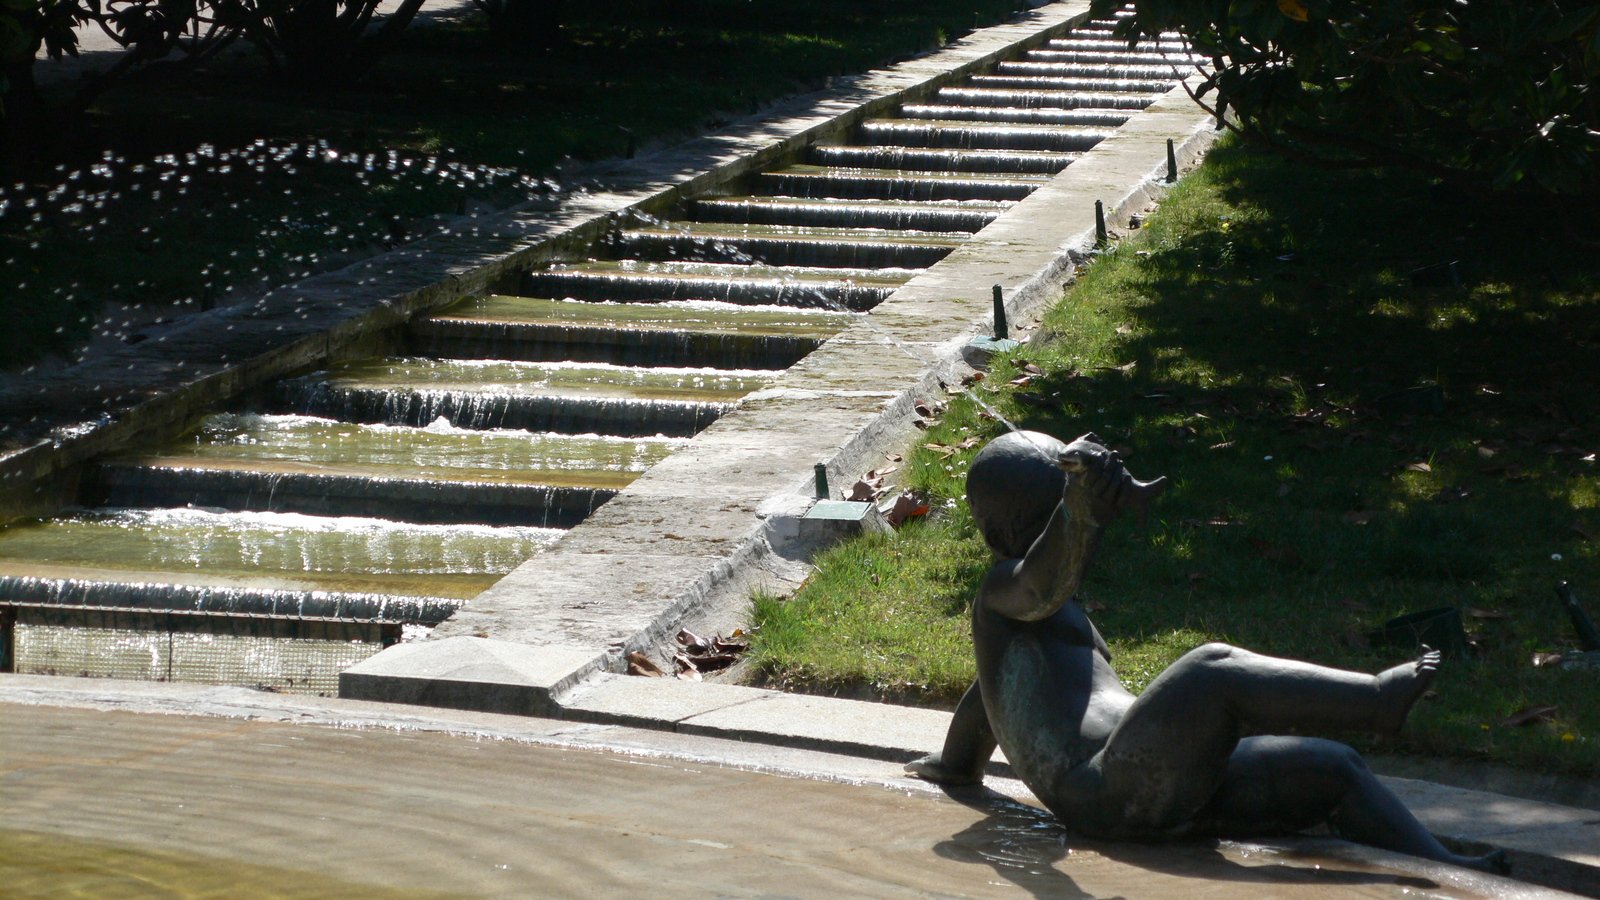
(968, 745)
(1167, 756)
(1280, 784)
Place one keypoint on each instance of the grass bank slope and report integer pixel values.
(1354, 432)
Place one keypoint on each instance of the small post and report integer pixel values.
(1001, 331)
(8, 639)
(1101, 237)
(1172, 162)
(822, 480)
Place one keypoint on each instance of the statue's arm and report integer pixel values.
(1035, 586)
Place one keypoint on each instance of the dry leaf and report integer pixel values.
(1031, 369)
(1275, 553)
(906, 506)
(1529, 715)
(1419, 467)
(692, 642)
(862, 490)
(1540, 660)
(639, 664)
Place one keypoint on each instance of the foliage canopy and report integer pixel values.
(1497, 94)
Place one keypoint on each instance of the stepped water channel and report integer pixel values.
(332, 513)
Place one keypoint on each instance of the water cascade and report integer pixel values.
(359, 505)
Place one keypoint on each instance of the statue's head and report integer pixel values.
(1013, 487)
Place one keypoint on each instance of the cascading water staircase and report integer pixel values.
(276, 546)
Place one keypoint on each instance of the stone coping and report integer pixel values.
(837, 740)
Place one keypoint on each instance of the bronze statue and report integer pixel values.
(1198, 752)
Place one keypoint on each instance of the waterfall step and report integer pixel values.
(984, 136)
(756, 284)
(811, 181)
(1043, 99)
(1097, 44)
(1100, 56)
(943, 159)
(942, 215)
(258, 563)
(782, 245)
(1017, 115)
(681, 333)
(628, 401)
(325, 467)
(1170, 72)
(1151, 88)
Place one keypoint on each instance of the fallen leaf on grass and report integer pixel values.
(906, 506)
(1419, 467)
(1275, 553)
(1540, 660)
(639, 664)
(1528, 715)
(861, 491)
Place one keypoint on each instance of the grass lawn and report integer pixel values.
(226, 183)
(1348, 442)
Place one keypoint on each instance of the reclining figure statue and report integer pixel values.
(1201, 751)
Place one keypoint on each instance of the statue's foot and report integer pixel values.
(932, 768)
(1401, 687)
(1495, 863)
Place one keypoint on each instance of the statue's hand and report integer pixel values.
(932, 768)
(1095, 480)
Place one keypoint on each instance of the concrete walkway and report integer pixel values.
(152, 789)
